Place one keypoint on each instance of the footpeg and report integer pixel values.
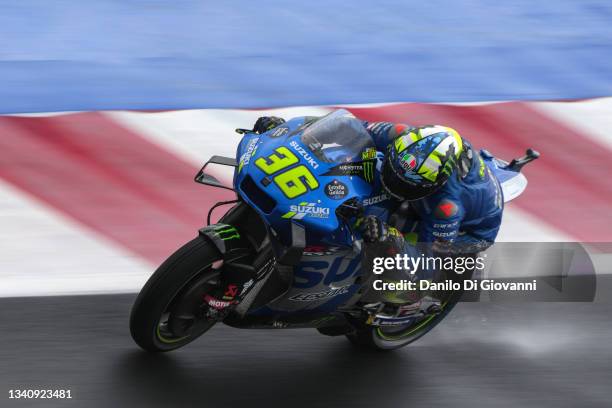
(434, 309)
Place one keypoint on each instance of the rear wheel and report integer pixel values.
(169, 311)
(394, 337)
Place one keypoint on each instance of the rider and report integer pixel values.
(446, 185)
(449, 187)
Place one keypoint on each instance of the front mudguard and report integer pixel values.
(228, 240)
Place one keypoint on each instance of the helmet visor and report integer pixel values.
(397, 187)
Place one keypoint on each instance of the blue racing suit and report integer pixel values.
(466, 211)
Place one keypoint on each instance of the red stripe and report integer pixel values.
(108, 178)
(569, 186)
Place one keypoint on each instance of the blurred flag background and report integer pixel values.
(93, 199)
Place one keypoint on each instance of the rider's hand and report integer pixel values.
(266, 123)
(373, 229)
(441, 247)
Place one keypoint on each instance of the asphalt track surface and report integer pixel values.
(483, 354)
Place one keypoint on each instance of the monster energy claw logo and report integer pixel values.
(368, 171)
(227, 232)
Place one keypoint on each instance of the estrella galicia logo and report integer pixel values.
(336, 190)
(280, 131)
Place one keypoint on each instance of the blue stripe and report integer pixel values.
(70, 55)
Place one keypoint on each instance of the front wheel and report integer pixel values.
(168, 312)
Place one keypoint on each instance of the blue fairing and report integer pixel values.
(321, 223)
(512, 183)
(340, 155)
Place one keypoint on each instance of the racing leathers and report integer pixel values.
(460, 219)
(462, 216)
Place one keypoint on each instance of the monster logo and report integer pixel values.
(368, 171)
(227, 232)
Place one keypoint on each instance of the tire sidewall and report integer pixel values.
(186, 264)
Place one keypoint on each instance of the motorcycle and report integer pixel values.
(292, 231)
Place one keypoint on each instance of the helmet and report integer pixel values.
(420, 161)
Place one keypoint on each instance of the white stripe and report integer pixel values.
(520, 226)
(44, 253)
(593, 118)
(196, 135)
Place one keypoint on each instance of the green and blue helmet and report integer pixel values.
(420, 161)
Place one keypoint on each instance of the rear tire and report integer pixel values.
(170, 301)
(394, 337)
(379, 338)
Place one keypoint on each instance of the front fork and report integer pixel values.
(244, 269)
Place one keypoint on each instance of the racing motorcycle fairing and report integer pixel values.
(288, 174)
(509, 175)
(298, 178)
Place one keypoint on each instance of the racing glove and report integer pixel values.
(265, 123)
(373, 229)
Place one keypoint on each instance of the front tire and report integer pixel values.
(168, 311)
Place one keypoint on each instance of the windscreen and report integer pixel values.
(337, 137)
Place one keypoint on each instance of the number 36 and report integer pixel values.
(293, 182)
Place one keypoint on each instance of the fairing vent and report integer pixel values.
(259, 197)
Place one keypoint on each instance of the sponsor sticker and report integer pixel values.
(226, 232)
(408, 161)
(446, 209)
(280, 131)
(246, 286)
(304, 153)
(317, 250)
(230, 292)
(309, 297)
(375, 200)
(346, 169)
(368, 154)
(336, 190)
(306, 209)
(250, 151)
(216, 303)
(363, 169)
(368, 170)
